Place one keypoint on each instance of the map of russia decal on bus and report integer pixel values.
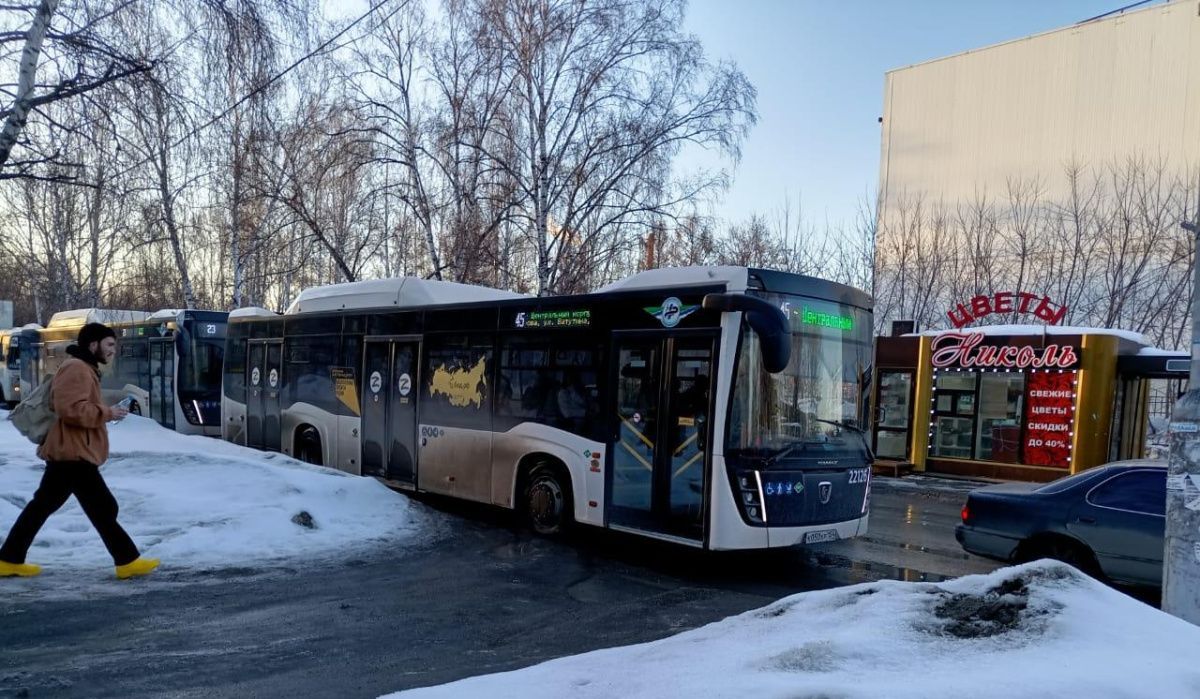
(462, 387)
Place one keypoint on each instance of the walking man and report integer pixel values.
(74, 449)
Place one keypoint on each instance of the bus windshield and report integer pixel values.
(815, 405)
(201, 363)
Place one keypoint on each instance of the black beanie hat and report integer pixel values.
(93, 332)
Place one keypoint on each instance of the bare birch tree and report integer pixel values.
(601, 95)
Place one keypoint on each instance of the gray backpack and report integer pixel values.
(34, 416)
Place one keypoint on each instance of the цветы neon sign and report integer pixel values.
(964, 350)
(1006, 302)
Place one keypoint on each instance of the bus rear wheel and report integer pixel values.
(308, 446)
(547, 500)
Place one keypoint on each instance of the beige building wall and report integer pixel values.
(1093, 93)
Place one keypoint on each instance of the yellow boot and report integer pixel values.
(141, 566)
(20, 570)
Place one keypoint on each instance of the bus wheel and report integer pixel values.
(547, 500)
(308, 446)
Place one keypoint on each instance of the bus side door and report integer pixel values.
(389, 413)
(264, 362)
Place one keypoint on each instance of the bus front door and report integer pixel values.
(264, 359)
(389, 416)
(162, 381)
(660, 441)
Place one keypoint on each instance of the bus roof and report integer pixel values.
(252, 312)
(401, 292)
(82, 316)
(739, 279)
(734, 278)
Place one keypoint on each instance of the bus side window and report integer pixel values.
(541, 381)
(308, 361)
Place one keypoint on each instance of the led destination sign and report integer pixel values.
(826, 320)
(817, 318)
(554, 319)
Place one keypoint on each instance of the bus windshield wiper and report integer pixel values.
(783, 452)
(769, 461)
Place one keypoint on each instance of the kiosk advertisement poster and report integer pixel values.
(1049, 418)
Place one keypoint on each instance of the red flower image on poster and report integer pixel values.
(1049, 418)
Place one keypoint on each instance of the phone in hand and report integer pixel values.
(124, 403)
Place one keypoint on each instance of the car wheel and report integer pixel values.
(547, 500)
(1073, 554)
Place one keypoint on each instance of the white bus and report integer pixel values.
(169, 361)
(715, 407)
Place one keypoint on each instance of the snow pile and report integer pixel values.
(1038, 630)
(201, 503)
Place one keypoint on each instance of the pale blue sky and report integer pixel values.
(818, 67)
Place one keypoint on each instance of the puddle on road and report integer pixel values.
(917, 548)
(869, 571)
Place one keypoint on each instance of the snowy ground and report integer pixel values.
(203, 505)
(1038, 630)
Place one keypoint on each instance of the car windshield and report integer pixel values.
(816, 403)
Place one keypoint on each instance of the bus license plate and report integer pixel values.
(820, 536)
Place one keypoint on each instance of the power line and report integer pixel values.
(1116, 11)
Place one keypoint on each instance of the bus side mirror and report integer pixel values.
(771, 325)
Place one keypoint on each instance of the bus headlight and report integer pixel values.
(750, 489)
(191, 411)
(867, 495)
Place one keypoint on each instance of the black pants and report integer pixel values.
(61, 480)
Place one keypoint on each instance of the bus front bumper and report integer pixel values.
(781, 537)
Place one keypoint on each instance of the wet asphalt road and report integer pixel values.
(488, 597)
